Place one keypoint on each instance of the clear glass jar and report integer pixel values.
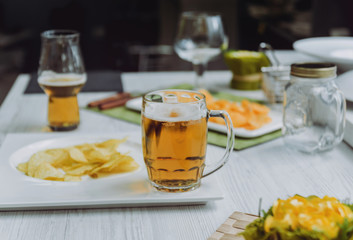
(314, 108)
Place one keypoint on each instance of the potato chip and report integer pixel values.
(46, 171)
(84, 147)
(80, 170)
(71, 163)
(111, 144)
(70, 178)
(59, 156)
(36, 160)
(23, 167)
(114, 161)
(77, 155)
(97, 155)
(127, 166)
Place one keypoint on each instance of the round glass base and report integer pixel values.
(63, 128)
(176, 189)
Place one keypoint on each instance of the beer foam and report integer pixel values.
(174, 112)
(50, 78)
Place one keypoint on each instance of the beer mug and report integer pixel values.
(174, 139)
(61, 75)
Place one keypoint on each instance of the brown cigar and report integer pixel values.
(114, 98)
(115, 103)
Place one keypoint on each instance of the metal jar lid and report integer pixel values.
(313, 70)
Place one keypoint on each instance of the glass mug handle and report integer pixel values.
(230, 141)
(341, 110)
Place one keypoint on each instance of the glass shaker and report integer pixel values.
(314, 108)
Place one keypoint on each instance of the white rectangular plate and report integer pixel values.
(19, 191)
(275, 124)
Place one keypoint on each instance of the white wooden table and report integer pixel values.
(266, 171)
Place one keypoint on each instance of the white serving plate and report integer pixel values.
(275, 124)
(19, 191)
(338, 50)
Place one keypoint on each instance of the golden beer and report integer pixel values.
(174, 139)
(61, 74)
(174, 143)
(174, 151)
(63, 109)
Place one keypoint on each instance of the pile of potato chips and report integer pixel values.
(246, 114)
(70, 164)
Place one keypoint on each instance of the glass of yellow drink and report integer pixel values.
(61, 75)
(174, 139)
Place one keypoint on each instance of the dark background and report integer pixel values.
(137, 35)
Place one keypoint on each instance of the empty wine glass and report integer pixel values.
(200, 38)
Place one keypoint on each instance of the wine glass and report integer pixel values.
(200, 38)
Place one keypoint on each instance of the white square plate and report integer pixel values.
(275, 124)
(19, 191)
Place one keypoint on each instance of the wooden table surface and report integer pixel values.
(268, 171)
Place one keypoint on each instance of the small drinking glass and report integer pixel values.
(174, 139)
(61, 75)
(200, 38)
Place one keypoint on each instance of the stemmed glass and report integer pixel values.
(200, 38)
